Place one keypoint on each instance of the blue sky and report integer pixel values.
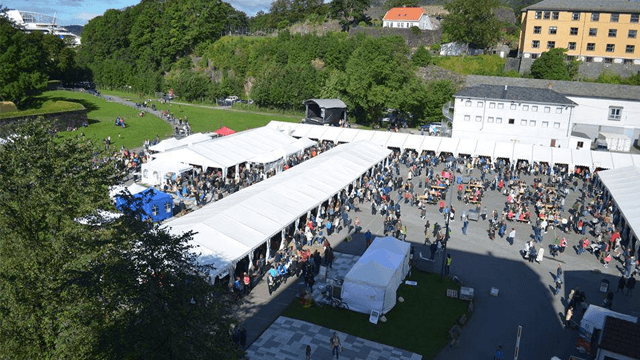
(78, 12)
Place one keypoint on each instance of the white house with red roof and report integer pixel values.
(407, 17)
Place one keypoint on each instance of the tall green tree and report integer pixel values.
(422, 57)
(348, 11)
(552, 65)
(472, 22)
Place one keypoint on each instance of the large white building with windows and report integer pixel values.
(545, 112)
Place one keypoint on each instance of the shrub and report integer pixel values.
(415, 30)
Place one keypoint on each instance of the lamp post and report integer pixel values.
(446, 222)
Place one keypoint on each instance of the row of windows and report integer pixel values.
(595, 17)
(553, 30)
(513, 106)
(523, 122)
(629, 49)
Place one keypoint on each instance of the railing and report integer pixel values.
(446, 111)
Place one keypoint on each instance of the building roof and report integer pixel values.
(587, 5)
(567, 88)
(404, 13)
(328, 103)
(580, 135)
(514, 93)
(621, 337)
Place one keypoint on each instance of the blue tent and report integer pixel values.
(151, 202)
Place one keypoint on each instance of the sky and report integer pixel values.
(79, 12)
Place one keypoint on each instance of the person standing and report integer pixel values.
(434, 248)
(631, 283)
(447, 265)
(427, 232)
(465, 226)
(499, 355)
(335, 345)
(512, 236)
(308, 353)
(568, 316)
(621, 284)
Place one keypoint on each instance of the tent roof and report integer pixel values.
(621, 160)
(414, 142)
(448, 145)
(363, 135)
(542, 154)
(636, 159)
(396, 140)
(224, 131)
(503, 150)
(250, 217)
(581, 157)
(378, 264)
(347, 135)
(380, 137)
(195, 138)
(168, 144)
(602, 159)
(561, 156)
(467, 147)
(523, 152)
(166, 166)
(332, 133)
(624, 186)
(485, 148)
(431, 143)
(328, 103)
(316, 132)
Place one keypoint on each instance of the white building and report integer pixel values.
(407, 17)
(598, 108)
(513, 114)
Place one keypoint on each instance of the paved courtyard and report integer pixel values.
(525, 297)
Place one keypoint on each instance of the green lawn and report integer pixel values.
(420, 324)
(102, 115)
(49, 106)
(491, 65)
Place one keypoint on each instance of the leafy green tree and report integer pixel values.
(390, 4)
(552, 65)
(190, 85)
(422, 57)
(348, 11)
(472, 22)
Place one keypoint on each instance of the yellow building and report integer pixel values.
(590, 30)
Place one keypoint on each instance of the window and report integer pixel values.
(534, 108)
(559, 110)
(615, 113)
(608, 60)
(535, 44)
(538, 15)
(467, 117)
(547, 15)
(553, 30)
(613, 32)
(632, 34)
(512, 121)
(614, 17)
(513, 106)
(593, 32)
(534, 56)
(580, 144)
(627, 61)
(588, 58)
(575, 16)
(523, 122)
(573, 31)
(571, 46)
(634, 18)
(595, 16)
(167, 207)
(547, 109)
(556, 125)
(571, 57)
(555, 15)
(467, 103)
(478, 118)
(480, 104)
(154, 210)
(525, 107)
(630, 49)
(551, 44)
(537, 29)
(490, 119)
(532, 123)
(492, 105)
(611, 47)
(498, 120)
(591, 46)
(545, 124)
(500, 105)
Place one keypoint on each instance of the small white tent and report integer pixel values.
(372, 282)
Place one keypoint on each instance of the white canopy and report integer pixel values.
(397, 140)
(467, 147)
(485, 148)
(621, 160)
(168, 144)
(561, 156)
(624, 186)
(414, 142)
(523, 152)
(195, 138)
(582, 157)
(120, 189)
(503, 150)
(448, 145)
(363, 135)
(154, 172)
(431, 143)
(299, 130)
(231, 228)
(636, 159)
(542, 154)
(372, 282)
(347, 135)
(332, 133)
(380, 137)
(602, 159)
(316, 132)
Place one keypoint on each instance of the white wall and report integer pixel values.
(593, 111)
(423, 23)
(488, 121)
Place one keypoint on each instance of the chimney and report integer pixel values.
(549, 86)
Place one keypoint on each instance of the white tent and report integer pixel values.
(523, 152)
(621, 160)
(431, 143)
(233, 227)
(467, 147)
(602, 159)
(542, 154)
(503, 150)
(485, 148)
(347, 135)
(397, 140)
(154, 172)
(624, 186)
(168, 144)
(315, 132)
(372, 282)
(380, 137)
(332, 133)
(195, 138)
(561, 156)
(448, 145)
(582, 157)
(363, 135)
(414, 142)
(636, 160)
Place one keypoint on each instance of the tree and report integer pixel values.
(422, 57)
(552, 65)
(348, 11)
(390, 4)
(472, 22)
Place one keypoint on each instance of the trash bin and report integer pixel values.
(604, 286)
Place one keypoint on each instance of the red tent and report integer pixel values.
(224, 131)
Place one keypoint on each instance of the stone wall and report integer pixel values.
(425, 38)
(590, 70)
(61, 120)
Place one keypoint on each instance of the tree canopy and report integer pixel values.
(118, 289)
(552, 65)
(472, 22)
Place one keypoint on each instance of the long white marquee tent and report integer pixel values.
(261, 145)
(624, 186)
(230, 229)
(492, 149)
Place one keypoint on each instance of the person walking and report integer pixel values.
(621, 284)
(499, 355)
(308, 353)
(512, 236)
(568, 316)
(427, 232)
(465, 226)
(631, 283)
(433, 248)
(447, 265)
(336, 346)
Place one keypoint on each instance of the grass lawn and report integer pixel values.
(49, 106)
(102, 115)
(420, 324)
(491, 65)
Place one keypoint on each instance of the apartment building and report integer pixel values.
(603, 31)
